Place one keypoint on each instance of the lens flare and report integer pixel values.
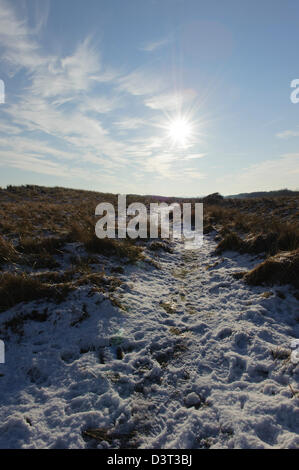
(179, 131)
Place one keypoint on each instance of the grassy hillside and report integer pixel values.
(39, 228)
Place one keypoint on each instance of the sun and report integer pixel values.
(180, 130)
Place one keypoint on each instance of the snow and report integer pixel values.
(195, 359)
(295, 353)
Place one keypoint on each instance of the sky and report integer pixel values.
(169, 97)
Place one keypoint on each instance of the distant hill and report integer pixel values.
(278, 193)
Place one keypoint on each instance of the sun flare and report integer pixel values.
(180, 131)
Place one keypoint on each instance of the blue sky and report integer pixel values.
(170, 97)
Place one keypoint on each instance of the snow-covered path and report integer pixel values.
(195, 359)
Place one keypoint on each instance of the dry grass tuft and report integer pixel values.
(231, 242)
(85, 233)
(112, 247)
(283, 268)
(284, 239)
(40, 245)
(126, 440)
(8, 253)
(17, 288)
(157, 245)
(270, 243)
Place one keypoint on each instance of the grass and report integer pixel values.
(37, 224)
(110, 283)
(21, 287)
(231, 242)
(268, 226)
(213, 265)
(295, 393)
(85, 234)
(108, 435)
(8, 253)
(16, 323)
(83, 317)
(175, 331)
(157, 245)
(39, 261)
(117, 270)
(282, 268)
(168, 307)
(258, 216)
(83, 264)
(284, 239)
(180, 273)
(112, 247)
(16, 288)
(41, 245)
(280, 353)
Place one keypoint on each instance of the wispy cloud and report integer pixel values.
(277, 173)
(194, 156)
(154, 45)
(55, 82)
(170, 166)
(68, 75)
(18, 47)
(287, 134)
(143, 81)
(9, 129)
(63, 122)
(100, 104)
(41, 14)
(171, 101)
(129, 123)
